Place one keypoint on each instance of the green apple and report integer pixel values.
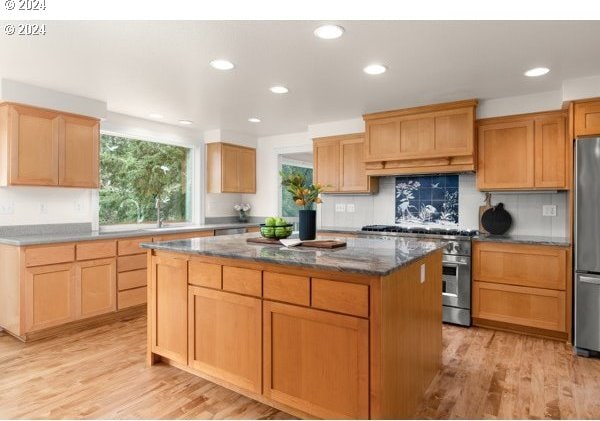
(267, 232)
(281, 232)
(280, 222)
(270, 221)
(288, 230)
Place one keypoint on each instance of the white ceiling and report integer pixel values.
(144, 67)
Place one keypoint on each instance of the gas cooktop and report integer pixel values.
(420, 230)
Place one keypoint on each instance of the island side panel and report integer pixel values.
(410, 338)
(10, 298)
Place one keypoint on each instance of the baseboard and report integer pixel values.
(525, 330)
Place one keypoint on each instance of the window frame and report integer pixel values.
(296, 163)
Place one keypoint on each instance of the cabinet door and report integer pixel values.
(326, 156)
(49, 296)
(246, 170)
(587, 118)
(382, 139)
(34, 146)
(506, 156)
(79, 152)
(550, 152)
(96, 287)
(168, 307)
(352, 165)
(225, 337)
(316, 361)
(417, 137)
(229, 169)
(454, 132)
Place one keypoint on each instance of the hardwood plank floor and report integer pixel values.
(100, 373)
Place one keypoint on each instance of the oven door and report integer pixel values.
(456, 281)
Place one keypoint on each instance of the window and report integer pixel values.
(135, 173)
(288, 207)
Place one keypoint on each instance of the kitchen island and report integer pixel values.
(353, 332)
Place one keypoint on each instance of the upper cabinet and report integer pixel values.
(41, 147)
(431, 139)
(587, 117)
(525, 152)
(339, 164)
(230, 168)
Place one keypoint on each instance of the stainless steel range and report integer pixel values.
(456, 266)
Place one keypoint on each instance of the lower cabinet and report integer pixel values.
(225, 336)
(169, 307)
(49, 296)
(316, 361)
(96, 285)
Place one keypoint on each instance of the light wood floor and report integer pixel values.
(100, 373)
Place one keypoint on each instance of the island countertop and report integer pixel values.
(369, 256)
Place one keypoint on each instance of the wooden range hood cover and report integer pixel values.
(429, 139)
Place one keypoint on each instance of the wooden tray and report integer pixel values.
(323, 244)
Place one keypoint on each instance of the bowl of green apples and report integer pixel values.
(275, 227)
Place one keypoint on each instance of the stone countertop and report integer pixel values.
(35, 239)
(369, 256)
(524, 239)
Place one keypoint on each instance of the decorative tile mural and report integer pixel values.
(427, 199)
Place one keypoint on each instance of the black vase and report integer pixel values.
(308, 224)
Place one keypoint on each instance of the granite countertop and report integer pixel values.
(370, 256)
(524, 239)
(63, 237)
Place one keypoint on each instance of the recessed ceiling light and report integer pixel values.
(375, 69)
(254, 120)
(221, 64)
(155, 115)
(279, 89)
(186, 122)
(329, 31)
(538, 71)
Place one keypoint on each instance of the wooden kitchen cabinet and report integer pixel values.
(435, 138)
(522, 287)
(230, 168)
(525, 152)
(339, 164)
(96, 287)
(49, 296)
(225, 333)
(169, 290)
(47, 148)
(587, 117)
(316, 361)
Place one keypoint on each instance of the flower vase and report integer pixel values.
(242, 217)
(308, 224)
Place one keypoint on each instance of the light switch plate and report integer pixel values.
(340, 207)
(7, 208)
(350, 208)
(549, 210)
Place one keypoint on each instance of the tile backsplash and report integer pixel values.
(525, 208)
(427, 199)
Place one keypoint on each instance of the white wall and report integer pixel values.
(542, 101)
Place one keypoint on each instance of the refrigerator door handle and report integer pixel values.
(589, 280)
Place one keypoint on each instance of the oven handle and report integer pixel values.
(456, 264)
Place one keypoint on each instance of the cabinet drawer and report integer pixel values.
(341, 297)
(49, 255)
(288, 288)
(184, 235)
(204, 274)
(132, 279)
(137, 261)
(521, 265)
(242, 281)
(96, 250)
(534, 307)
(132, 297)
(132, 245)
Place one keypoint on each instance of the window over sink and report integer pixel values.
(135, 173)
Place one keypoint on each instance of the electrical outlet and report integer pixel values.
(77, 206)
(549, 210)
(423, 269)
(350, 208)
(340, 207)
(7, 208)
(43, 208)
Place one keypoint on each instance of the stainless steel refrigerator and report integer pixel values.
(587, 244)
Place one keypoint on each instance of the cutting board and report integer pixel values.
(322, 244)
(482, 209)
